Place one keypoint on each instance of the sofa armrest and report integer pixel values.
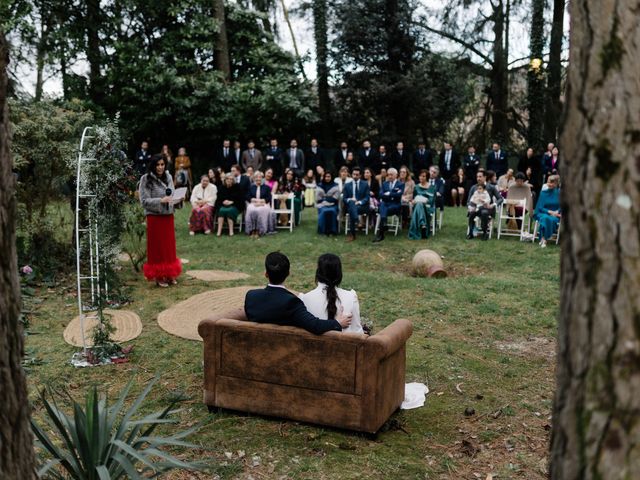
(392, 338)
(205, 327)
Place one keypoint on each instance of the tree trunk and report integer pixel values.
(535, 76)
(16, 444)
(499, 86)
(285, 12)
(93, 22)
(596, 430)
(554, 81)
(322, 68)
(221, 45)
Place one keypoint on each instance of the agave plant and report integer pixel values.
(105, 442)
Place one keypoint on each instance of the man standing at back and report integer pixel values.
(294, 159)
(252, 157)
(497, 160)
(275, 304)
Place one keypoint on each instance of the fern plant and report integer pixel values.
(103, 442)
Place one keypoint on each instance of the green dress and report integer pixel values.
(422, 212)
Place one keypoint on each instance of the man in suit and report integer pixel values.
(241, 180)
(497, 160)
(294, 159)
(382, 161)
(142, 158)
(237, 154)
(449, 163)
(225, 156)
(275, 304)
(356, 200)
(470, 164)
(438, 183)
(422, 159)
(340, 158)
(400, 157)
(315, 157)
(390, 200)
(273, 158)
(366, 156)
(252, 157)
(481, 211)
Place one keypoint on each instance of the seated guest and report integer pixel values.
(520, 191)
(485, 212)
(374, 193)
(533, 181)
(390, 200)
(215, 177)
(258, 219)
(343, 178)
(240, 179)
(309, 183)
(327, 198)
(548, 213)
(275, 304)
(458, 184)
(356, 201)
(249, 173)
(438, 184)
(327, 299)
(405, 177)
(381, 177)
(289, 183)
(270, 180)
(423, 206)
(229, 204)
(203, 198)
(505, 181)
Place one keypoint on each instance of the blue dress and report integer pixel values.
(549, 200)
(327, 197)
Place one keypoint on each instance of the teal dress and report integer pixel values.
(422, 212)
(549, 200)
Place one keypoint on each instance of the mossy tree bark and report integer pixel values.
(596, 431)
(16, 444)
(221, 43)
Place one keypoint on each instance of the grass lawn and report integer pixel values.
(484, 338)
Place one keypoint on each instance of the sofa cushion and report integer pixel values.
(306, 361)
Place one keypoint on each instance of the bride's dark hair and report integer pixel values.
(329, 272)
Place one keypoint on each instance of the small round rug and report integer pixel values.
(127, 326)
(216, 275)
(182, 319)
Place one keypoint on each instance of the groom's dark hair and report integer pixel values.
(277, 266)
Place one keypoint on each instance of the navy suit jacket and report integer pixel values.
(244, 184)
(280, 306)
(499, 165)
(362, 195)
(395, 194)
(265, 193)
(422, 161)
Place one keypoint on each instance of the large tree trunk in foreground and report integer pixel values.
(596, 432)
(16, 444)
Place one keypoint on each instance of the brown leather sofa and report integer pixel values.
(343, 380)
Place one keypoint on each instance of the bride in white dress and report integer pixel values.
(327, 299)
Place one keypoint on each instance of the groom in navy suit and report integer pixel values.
(276, 304)
(356, 201)
(390, 200)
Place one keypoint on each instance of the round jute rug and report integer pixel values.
(127, 327)
(216, 275)
(182, 319)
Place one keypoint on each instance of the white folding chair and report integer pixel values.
(281, 199)
(366, 223)
(555, 237)
(393, 222)
(504, 217)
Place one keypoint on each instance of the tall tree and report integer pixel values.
(554, 80)
(93, 21)
(320, 29)
(596, 431)
(535, 76)
(221, 45)
(16, 444)
(499, 75)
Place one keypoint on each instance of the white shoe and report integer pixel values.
(543, 244)
(192, 233)
(207, 232)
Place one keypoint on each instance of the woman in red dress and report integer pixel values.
(156, 190)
